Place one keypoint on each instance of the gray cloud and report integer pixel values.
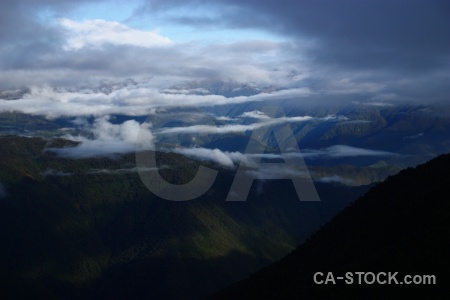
(163, 66)
(398, 48)
(24, 37)
(408, 34)
(34, 52)
(401, 46)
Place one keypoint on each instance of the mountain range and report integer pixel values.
(77, 222)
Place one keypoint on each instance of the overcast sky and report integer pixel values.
(56, 57)
(386, 50)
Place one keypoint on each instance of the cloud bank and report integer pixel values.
(396, 48)
(109, 139)
(392, 47)
(98, 33)
(133, 100)
(234, 128)
(231, 159)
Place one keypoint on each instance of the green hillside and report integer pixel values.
(88, 228)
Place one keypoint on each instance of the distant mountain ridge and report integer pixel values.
(415, 132)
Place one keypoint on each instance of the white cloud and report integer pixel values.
(223, 158)
(234, 128)
(231, 159)
(255, 114)
(95, 33)
(338, 151)
(209, 129)
(110, 139)
(214, 155)
(137, 100)
(224, 118)
(80, 121)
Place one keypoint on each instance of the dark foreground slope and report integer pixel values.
(89, 229)
(401, 225)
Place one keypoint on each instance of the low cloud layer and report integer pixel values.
(230, 159)
(263, 121)
(106, 138)
(340, 151)
(226, 159)
(234, 128)
(134, 100)
(109, 139)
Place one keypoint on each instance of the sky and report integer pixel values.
(390, 49)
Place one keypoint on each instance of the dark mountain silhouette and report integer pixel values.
(401, 225)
